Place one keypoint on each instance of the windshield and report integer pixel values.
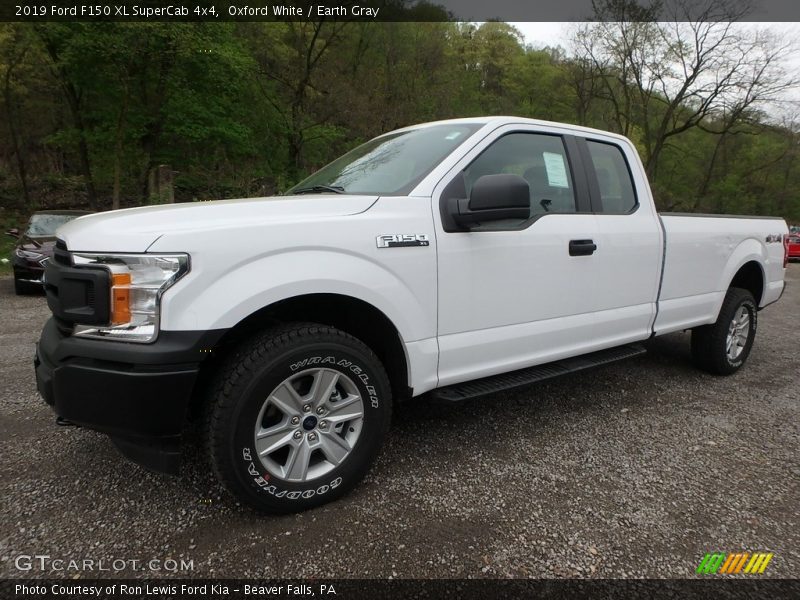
(390, 165)
(45, 225)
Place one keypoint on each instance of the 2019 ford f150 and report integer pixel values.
(454, 258)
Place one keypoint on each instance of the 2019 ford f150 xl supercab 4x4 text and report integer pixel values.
(456, 258)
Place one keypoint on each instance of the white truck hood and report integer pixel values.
(135, 229)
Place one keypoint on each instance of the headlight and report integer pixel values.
(27, 254)
(137, 282)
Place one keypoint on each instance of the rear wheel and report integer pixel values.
(722, 348)
(297, 418)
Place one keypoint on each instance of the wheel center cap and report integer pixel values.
(309, 422)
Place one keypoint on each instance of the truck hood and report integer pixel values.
(135, 229)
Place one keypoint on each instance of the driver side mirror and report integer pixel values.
(13, 232)
(492, 198)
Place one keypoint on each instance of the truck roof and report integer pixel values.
(511, 120)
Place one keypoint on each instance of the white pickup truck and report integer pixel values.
(454, 258)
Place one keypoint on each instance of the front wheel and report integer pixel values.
(722, 348)
(297, 417)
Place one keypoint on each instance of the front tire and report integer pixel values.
(722, 348)
(297, 417)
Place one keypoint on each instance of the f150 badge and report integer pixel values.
(402, 240)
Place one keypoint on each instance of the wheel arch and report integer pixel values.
(745, 269)
(357, 317)
(750, 277)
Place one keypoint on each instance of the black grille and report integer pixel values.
(61, 254)
(76, 294)
(62, 257)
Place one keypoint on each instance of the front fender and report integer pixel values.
(237, 293)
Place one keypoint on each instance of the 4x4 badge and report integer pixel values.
(402, 240)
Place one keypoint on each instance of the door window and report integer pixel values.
(537, 158)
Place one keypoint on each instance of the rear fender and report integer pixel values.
(747, 251)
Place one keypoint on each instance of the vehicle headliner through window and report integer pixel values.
(391, 165)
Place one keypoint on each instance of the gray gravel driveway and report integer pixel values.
(636, 469)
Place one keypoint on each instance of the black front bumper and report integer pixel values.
(139, 394)
(27, 271)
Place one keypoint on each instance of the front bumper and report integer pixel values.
(139, 394)
(27, 271)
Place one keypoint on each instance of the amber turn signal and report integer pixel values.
(120, 298)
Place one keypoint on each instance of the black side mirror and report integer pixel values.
(13, 232)
(493, 198)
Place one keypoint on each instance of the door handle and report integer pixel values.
(582, 247)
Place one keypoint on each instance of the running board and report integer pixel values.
(507, 381)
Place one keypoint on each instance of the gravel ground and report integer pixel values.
(631, 470)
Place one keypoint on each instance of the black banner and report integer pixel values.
(392, 10)
(357, 589)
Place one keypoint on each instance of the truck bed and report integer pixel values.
(702, 255)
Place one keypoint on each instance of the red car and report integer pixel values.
(793, 244)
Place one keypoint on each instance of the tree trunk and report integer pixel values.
(118, 152)
(16, 147)
(160, 189)
(20, 160)
(74, 103)
(709, 172)
(83, 151)
(651, 162)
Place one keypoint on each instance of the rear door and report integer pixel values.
(629, 238)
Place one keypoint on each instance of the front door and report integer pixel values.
(517, 293)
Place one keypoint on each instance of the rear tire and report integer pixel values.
(298, 415)
(722, 348)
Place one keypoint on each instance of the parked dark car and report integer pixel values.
(35, 245)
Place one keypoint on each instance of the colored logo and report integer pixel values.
(721, 563)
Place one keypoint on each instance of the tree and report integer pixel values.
(290, 57)
(15, 44)
(87, 110)
(57, 40)
(665, 78)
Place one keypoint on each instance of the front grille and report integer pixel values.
(76, 294)
(62, 257)
(61, 254)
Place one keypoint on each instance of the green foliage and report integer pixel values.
(247, 109)
(7, 221)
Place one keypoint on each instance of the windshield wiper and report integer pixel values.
(31, 240)
(318, 189)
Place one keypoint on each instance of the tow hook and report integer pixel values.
(62, 422)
